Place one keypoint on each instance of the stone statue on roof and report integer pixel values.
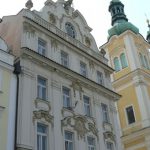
(67, 4)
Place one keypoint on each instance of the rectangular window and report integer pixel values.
(66, 97)
(87, 108)
(105, 113)
(64, 59)
(83, 69)
(41, 47)
(69, 145)
(100, 79)
(42, 88)
(130, 115)
(42, 137)
(91, 143)
(109, 146)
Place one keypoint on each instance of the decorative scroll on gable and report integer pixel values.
(80, 124)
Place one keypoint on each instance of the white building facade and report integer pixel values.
(66, 101)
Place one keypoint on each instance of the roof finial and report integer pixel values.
(29, 4)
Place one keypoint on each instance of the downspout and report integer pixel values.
(17, 71)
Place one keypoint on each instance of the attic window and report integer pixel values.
(70, 29)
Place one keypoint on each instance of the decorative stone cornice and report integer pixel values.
(80, 124)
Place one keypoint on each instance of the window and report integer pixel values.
(123, 60)
(83, 69)
(42, 88)
(66, 98)
(91, 143)
(105, 113)
(64, 59)
(70, 29)
(42, 137)
(109, 146)
(142, 60)
(69, 141)
(87, 108)
(100, 79)
(146, 62)
(130, 115)
(116, 64)
(41, 47)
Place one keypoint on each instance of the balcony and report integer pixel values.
(50, 27)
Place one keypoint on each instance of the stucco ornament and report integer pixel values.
(109, 136)
(80, 124)
(76, 85)
(39, 114)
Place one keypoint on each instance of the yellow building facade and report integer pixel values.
(128, 53)
(7, 98)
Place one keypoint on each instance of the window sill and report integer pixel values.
(68, 109)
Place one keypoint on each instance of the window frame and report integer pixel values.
(117, 68)
(39, 91)
(63, 59)
(105, 113)
(70, 29)
(100, 79)
(89, 146)
(69, 98)
(41, 135)
(123, 60)
(67, 140)
(127, 120)
(109, 142)
(83, 69)
(42, 49)
(87, 106)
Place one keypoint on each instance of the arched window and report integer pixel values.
(146, 62)
(70, 29)
(142, 60)
(123, 60)
(116, 64)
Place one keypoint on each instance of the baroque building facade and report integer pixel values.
(128, 52)
(65, 99)
(8, 84)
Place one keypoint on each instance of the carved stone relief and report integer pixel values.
(80, 124)
(39, 114)
(77, 86)
(109, 135)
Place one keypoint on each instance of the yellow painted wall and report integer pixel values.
(128, 98)
(4, 101)
(134, 142)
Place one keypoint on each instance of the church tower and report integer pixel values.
(128, 53)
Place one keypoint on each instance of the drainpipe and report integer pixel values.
(17, 71)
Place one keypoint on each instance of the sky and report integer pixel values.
(95, 12)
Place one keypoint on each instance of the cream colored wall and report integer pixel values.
(4, 102)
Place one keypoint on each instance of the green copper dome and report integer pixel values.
(119, 21)
(119, 28)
